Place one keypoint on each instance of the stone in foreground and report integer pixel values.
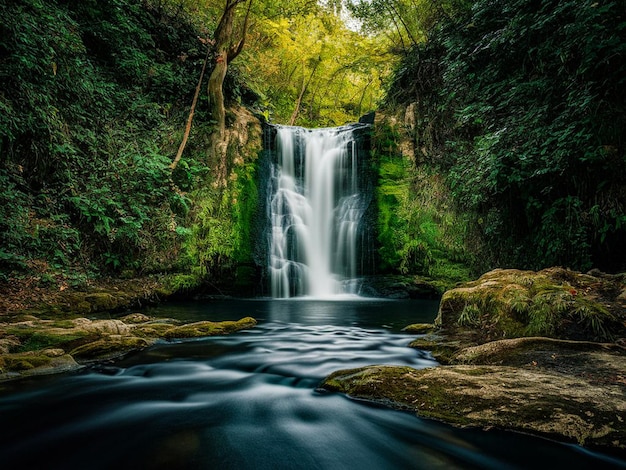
(535, 402)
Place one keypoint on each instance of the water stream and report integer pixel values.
(249, 401)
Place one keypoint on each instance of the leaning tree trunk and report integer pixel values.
(227, 49)
(192, 111)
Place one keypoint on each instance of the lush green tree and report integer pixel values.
(310, 69)
(404, 23)
(228, 45)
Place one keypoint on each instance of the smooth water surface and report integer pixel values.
(249, 401)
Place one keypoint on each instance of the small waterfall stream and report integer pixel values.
(315, 207)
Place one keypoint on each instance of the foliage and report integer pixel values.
(403, 23)
(221, 221)
(93, 102)
(308, 52)
(522, 104)
(92, 93)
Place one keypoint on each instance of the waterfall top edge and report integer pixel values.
(349, 126)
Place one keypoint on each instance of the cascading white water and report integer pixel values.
(315, 209)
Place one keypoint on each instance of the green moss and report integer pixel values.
(400, 387)
(419, 231)
(178, 283)
(106, 348)
(470, 315)
(154, 329)
(419, 328)
(33, 339)
(63, 324)
(22, 362)
(208, 328)
(488, 396)
(510, 303)
(442, 351)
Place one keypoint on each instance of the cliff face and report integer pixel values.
(421, 229)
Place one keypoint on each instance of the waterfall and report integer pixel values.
(315, 207)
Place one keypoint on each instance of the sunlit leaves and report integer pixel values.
(341, 71)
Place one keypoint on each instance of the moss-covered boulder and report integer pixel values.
(538, 402)
(47, 361)
(26, 345)
(109, 348)
(554, 302)
(568, 384)
(209, 328)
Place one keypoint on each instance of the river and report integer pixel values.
(249, 401)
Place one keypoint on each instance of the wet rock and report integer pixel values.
(554, 302)
(37, 346)
(134, 318)
(398, 287)
(535, 352)
(111, 327)
(208, 328)
(419, 328)
(109, 348)
(29, 363)
(531, 401)
(8, 344)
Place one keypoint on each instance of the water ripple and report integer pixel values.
(248, 401)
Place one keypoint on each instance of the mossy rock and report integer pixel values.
(542, 352)
(135, 318)
(9, 344)
(154, 329)
(35, 363)
(419, 328)
(20, 362)
(209, 328)
(554, 302)
(109, 348)
(398, 287)
(40, 337)
(532, 401)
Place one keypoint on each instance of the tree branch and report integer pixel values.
(181, 148)
(234, 51)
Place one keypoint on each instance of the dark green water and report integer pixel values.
(248, 401)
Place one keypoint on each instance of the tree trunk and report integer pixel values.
(305, 85)
(227, 48)
(219, 143)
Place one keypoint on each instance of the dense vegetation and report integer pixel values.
(515, 109)
(94, 98)
(521, 105)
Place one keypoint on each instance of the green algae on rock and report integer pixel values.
(419, 328)
(209, 328)
(109, 348)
